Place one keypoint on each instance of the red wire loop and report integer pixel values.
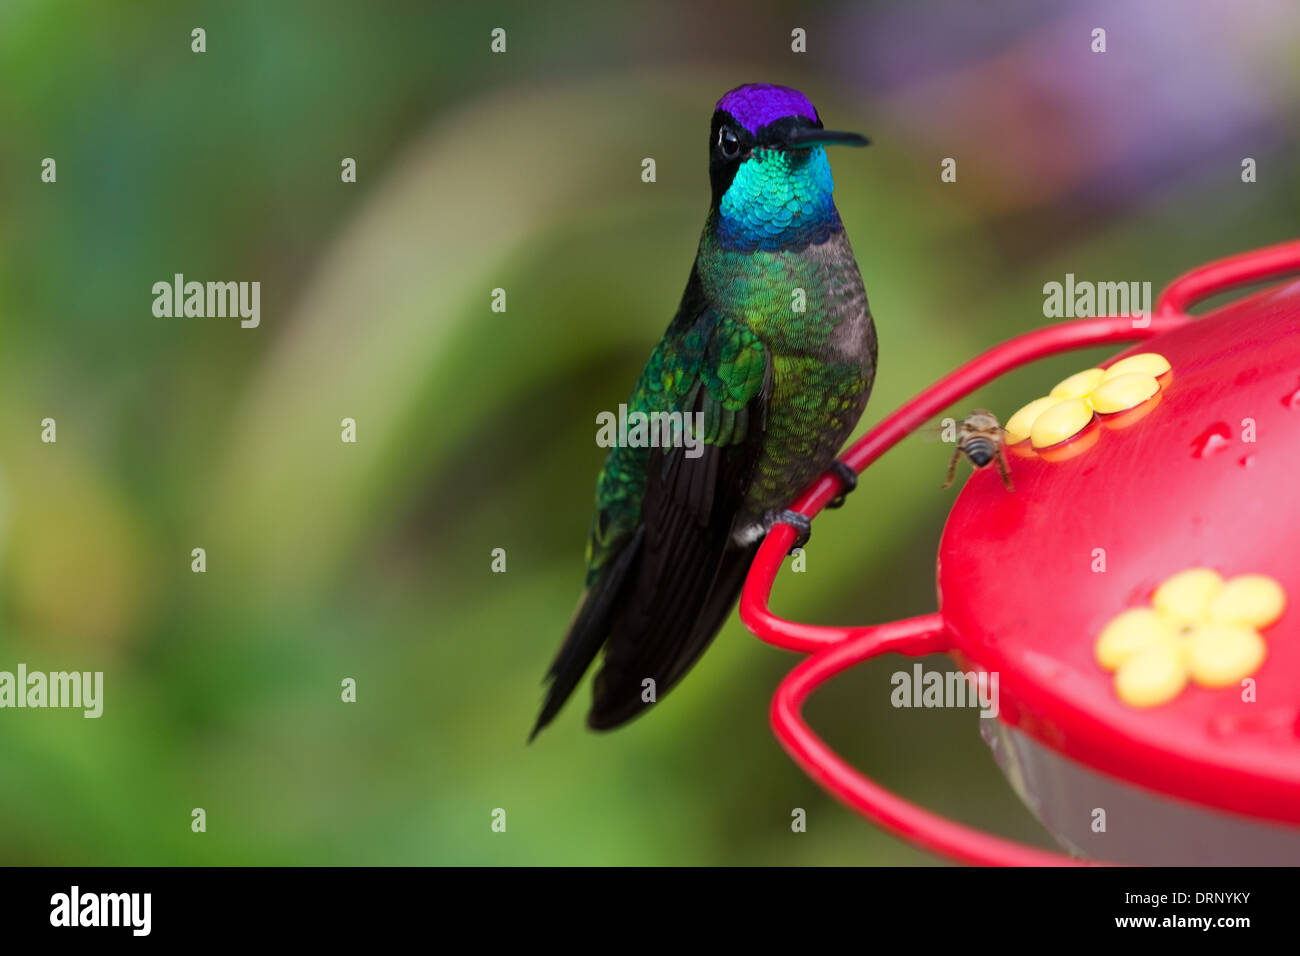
(835, 648)
(1272, 262)
(928, 830)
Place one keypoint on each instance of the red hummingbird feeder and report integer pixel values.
(1135, 595)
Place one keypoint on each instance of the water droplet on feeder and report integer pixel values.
(1275, 724)
(1291, 399)
(1214, 439)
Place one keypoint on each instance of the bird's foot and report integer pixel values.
(802, 526)
(848, 482)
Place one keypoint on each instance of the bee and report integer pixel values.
(980, 438)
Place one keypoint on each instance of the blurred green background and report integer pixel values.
(475, 428)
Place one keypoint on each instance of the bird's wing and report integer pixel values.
(650, 594)
(688, 511)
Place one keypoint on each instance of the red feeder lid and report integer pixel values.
(1170, 485)
(1028, 580)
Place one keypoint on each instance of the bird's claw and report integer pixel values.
(848, 482)
(802, 526)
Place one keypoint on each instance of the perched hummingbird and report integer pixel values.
(774, 344)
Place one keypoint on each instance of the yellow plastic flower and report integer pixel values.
(1068, 409)
(1199, 627)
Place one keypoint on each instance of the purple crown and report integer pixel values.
(754, 105)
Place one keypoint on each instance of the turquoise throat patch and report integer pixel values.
(779, 200)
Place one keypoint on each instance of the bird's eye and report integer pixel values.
(728, 143)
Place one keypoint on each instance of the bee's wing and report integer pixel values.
(946, 430)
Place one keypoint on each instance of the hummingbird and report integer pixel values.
(773, 351)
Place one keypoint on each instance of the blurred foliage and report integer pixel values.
(476, 429)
